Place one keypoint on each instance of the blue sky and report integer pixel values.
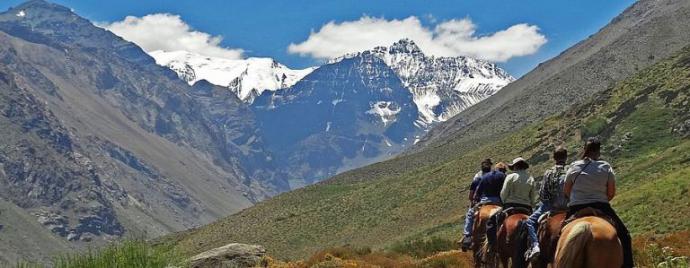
(267, 28)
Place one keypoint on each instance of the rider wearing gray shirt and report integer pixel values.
(592, 177)
(591, 183)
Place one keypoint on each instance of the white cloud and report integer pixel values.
(455, 37)
(169, 32)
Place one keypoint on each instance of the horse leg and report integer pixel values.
(477, 259)
(505, 261)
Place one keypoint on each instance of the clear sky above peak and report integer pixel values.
(269, 28)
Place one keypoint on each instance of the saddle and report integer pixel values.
(516, 210)
(478, 206)
(499, 217)
(544, 217)
(588, 212)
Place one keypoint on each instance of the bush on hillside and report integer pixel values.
(593, 127)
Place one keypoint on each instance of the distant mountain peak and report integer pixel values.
(41, 5)
(404, 45)
(42, 22)
(442, 86)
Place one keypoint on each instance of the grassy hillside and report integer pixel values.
(644, 122)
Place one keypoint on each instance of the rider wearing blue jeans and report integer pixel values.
(488, 191)
(551, 197)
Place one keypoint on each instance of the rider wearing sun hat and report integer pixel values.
(519, 187)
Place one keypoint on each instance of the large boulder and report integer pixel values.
(232, 255)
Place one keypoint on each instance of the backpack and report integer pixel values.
(552, 191)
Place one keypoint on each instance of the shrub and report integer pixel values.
(593, 127)
(666, 257)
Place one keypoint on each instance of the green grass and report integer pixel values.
(423, 195)
(127, 254)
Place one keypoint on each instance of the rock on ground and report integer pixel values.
(232, 255)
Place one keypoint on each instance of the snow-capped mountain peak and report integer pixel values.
(247, 78)
(442, 86)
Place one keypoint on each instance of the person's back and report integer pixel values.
(590, 179)
(519, 187)
(490, 185)
(551, 192)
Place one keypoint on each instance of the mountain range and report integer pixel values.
(339, 109)
(102, 142)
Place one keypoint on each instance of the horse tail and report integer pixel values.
(521, 245)
(570, 255)
(487, 255)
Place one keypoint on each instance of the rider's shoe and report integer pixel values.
(466, 243)
(532, 253)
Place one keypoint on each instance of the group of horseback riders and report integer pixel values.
(586, 185)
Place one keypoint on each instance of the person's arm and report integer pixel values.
(478, 192)
(611, 185)
(534, 197)
(473, 188)
(611, 189)
(569, 177)
(543, 187)
(505, 190)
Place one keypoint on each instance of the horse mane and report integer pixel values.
(578, 237)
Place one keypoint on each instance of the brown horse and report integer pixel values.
(548, 233)
(510, 247)
(479, 231)
(589, 242)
